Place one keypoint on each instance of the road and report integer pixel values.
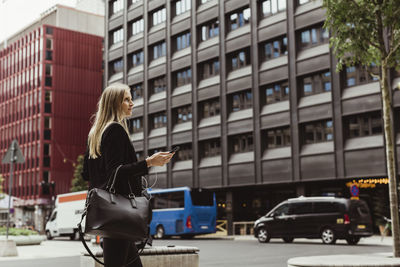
(239, 253)
(244, 251)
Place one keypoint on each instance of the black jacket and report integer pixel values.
(116, 149)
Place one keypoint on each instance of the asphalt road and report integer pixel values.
(246, 252)
(241, 253)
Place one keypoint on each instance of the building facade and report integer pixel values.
(50, 81)
(249, 91)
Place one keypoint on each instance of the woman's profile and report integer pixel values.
(109, 146)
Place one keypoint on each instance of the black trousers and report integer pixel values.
(118, 252)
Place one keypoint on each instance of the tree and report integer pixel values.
(367, 32)
(78, 184)
(1, 187)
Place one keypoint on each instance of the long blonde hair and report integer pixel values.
(109, 109)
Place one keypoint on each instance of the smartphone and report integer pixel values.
(174, 149)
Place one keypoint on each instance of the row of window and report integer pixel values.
(311, 84)
(314, 132)
(268, 7)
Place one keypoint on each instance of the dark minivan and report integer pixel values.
(328, 218)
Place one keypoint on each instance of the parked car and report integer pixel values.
(328, 218)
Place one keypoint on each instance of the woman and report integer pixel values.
(109, 146)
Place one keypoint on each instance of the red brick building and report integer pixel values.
(50, 81)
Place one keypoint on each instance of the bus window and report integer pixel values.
(202, 198)
(171, 200)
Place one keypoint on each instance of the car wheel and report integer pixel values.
(328, 236)
(263, 235)
(352, 240)
(74, 236)
(288, 239)
(160, 233)
(48, 235)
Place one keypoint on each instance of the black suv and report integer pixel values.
(328, 218)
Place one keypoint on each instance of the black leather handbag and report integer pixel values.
(112, 215)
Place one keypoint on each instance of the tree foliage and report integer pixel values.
(367, 32)
(78, 184)
(359, 28)
(2, 195)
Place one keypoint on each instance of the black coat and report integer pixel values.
(116, 149)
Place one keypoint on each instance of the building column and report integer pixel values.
(229, 212)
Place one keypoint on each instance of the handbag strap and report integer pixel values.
(81, 237)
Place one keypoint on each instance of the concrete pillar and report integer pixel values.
(229, 212)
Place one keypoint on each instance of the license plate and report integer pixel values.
(204, 227)
(361, 226)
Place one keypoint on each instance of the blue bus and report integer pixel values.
(183, 212)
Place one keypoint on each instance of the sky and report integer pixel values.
(17, 14)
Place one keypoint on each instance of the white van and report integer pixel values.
(66, 215)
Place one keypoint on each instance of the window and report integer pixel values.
(357, 75)
(242, 100)
(240, 59)
(277, 92)
(328, 207)
(301, 2)
(278, 137)
(117, 66)
(183, 77)
(48, 81)
(159, 120)
(137, 26)
(159, 16)
(137, 91)
(211, 148)
(181, 6)
(49, 55)
(271, 7)
(117, 6)
(182, 41)
(281, 210)
(313, 36)
(184, 114)
(364, 125)
(275, 48)
(184, 153)
(209, 30)
(159, 84)
(210, 108)
(170, 200)
(137, 59)
(242, 143)
(317, 132)
(159, 50)
(209, 68)
(135, 125)
(317, 83)
(239, 19)
(300, 208)
(49, 30)
(117, 36)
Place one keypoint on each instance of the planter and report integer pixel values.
(23, 240)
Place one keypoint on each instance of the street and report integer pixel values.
(243, 251)
(239, 253)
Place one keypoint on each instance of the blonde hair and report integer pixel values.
(109, 109)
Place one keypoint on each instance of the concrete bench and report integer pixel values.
(176, 256)
(367, 260)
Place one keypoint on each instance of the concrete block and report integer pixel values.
(158, 256)
(8, 248)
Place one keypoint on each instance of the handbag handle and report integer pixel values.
(110, 187)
